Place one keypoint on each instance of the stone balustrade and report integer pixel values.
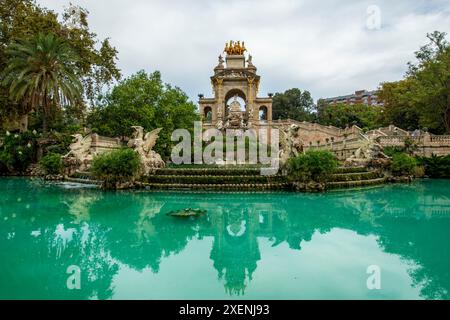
(101, 144)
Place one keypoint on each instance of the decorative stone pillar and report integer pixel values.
(220, 99)
(250, 99)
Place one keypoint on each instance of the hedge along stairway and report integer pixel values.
(215, 178)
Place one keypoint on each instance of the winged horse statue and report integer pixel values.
(80, 151)
(143, 145)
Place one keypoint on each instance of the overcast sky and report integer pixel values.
(328, 47)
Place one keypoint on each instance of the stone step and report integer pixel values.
(209, 172)
(342, 177)
(81, 180)
(341, 170)
(213, 179)
(357, 183)
(222, 187)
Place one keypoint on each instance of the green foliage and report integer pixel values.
(41, 73)
(403, 164)
(52, 163)
(61, 141)
(144, 100)
(18, 151)
(293, 104)
(422, 99)
(23, 20)
(116, 166)
(314, 165)
(436, 167)
(399, 108)
(343, 115)
(391, 151)
(409, 147)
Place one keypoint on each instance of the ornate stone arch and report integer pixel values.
(232, 93)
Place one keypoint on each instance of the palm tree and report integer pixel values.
(41, 74)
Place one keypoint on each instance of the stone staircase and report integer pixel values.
(355, 177)
(238, 178)
(82, 177)
(215, 178)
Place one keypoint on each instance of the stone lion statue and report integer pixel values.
(143, 145)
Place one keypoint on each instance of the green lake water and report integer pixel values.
(248, 246)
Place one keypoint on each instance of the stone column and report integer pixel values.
(250, 99)
(219, 97)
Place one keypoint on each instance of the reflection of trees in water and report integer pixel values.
(412, 222)
(424, 241)
(42, 240)
(98, 230)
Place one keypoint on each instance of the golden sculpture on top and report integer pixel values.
(235, 48)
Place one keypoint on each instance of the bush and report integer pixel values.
(436, 167)
(313, 165)
(402, 164)
(392, 151)
(62, 143)
(116, 167)
(18, 151)
(52, 163)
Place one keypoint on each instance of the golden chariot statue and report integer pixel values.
(235, 48)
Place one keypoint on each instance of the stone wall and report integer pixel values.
(314, 134)
(342, 149)
(344, 142)
(427, 144)
(102, 144)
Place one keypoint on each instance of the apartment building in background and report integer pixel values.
(369, 98)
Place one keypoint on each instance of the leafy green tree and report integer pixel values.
(399, 108)
(24, 19)
(343, 115)
(422, 99)
(293, 104)
(432, 76)
(144, 100)
(41, 73)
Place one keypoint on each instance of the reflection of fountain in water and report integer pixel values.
(132, 228)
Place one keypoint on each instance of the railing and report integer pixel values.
(443, 138)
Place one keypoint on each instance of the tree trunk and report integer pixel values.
(44, 123)
(447, 121)
(44, 114)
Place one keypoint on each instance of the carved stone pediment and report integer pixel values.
(235, 74)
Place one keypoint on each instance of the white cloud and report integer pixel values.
(324, 47)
